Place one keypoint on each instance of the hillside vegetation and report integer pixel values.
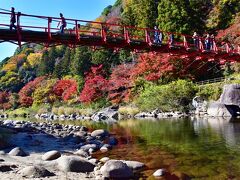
(82, 76)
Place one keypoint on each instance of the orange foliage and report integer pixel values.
(14, 62)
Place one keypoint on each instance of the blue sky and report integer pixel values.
(76, 9)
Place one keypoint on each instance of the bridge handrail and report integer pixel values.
(126, 32)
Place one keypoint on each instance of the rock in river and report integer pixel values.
(51, 155)
(116, 169)
(74, 164)
(100, 132)
(17, 151)
(35, 172)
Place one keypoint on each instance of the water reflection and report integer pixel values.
(226, 127)
(202, 148)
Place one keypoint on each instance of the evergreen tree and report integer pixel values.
(52, 59)
(66, 62)
(81, 61)
(183, 16)
(43, 66)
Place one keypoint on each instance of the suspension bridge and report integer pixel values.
(42, 30)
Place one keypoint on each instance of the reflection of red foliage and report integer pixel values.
(65, 89)
(95, 85)
(120, 83)
(25, 94)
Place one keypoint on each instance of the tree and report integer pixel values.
(26, 93)
(46, 67)
(42, 69)
(81, 61)
(95, 85)
(65, 89)
(106, 58)
(44, 92)
(10, 81)
(223, 13)
(34, 59)
(4, 100)
(183, 16)
(120, 83)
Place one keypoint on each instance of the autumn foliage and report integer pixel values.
(120, 83)
(25, 94)
(65, 89)
(95, 85)
(4, 100)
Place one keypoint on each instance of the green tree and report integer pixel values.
(66, 62)
(43, 66)
(44, 93)
(183, 16)
(108, 58)
(81, 61)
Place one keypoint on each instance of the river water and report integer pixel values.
(191, 148)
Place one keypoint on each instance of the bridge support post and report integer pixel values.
(147, 37)
(126, 35)
(77, 31)
(185, 43)
(19, 30)
(104, 33)
(49, 30)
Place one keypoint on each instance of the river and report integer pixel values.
(191, 148)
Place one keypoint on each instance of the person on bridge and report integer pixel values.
(63, 23)
(12, 19)
(158, 36)
(195, 40)
(207, 42)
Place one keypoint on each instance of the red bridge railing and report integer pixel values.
(106, 30)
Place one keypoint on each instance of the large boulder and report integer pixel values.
(74, 164)
(35, 172)
(109, 114)
(231, 94)
(17, 151)
(82, 153)
(135, 165)
(218, 109)
(116, 169)
(51, 155)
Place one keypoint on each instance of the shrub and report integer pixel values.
(210, 91)
(128, 110)
(175, 96)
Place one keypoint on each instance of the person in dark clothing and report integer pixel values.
(13, 19)
(158, 36)
(207, 42)
(63, 23)
(195, 40)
